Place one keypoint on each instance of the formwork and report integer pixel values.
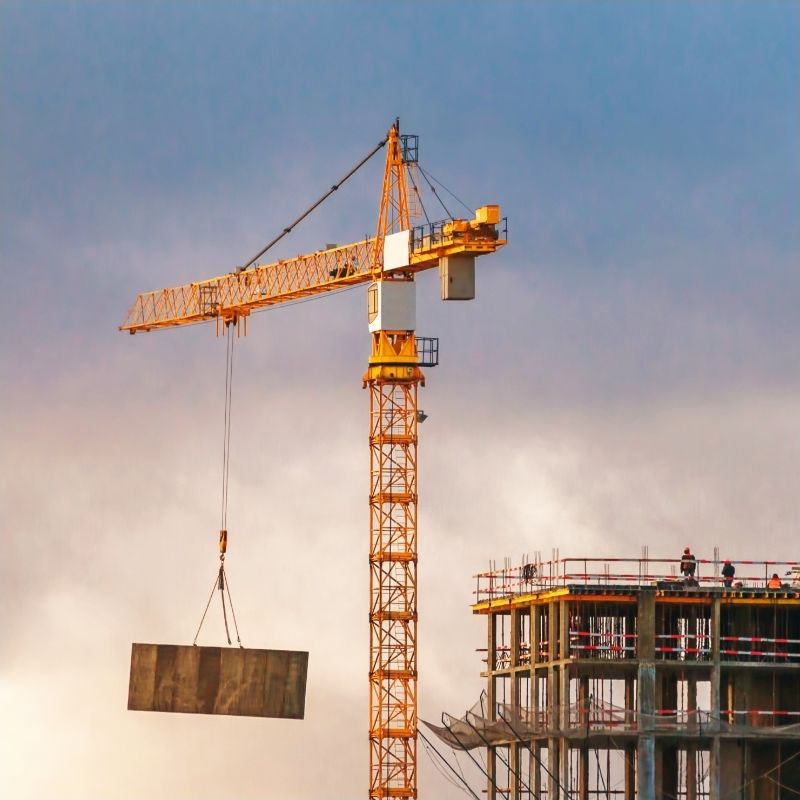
(616, 679)
(235, 681)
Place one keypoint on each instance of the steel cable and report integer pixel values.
(288, 228)
(452, 194)
(226, 438)
(428, 746)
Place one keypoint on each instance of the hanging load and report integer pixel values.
(236, 681)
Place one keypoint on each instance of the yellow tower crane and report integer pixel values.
(388, 263)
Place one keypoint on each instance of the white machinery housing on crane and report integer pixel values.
(392, 306)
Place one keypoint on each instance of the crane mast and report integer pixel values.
(393, 378)
(388, 263)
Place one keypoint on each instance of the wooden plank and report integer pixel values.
(143, 674)
(218, 680)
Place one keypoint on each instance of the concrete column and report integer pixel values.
(646, 624)
(513, 750)
(667, 751)
(515, 628)
(691, 750)
(553, 717)
(667, 770)
(646, 776)
(491, 662)
(565, 726)
(630, 749)
(564, 693)
(553, 757)
(630, 772)
(583, 724)
(747, 772)
(563, 649)
(646, 684)
(536, 749)
(564, 768)
(630, 700)
(583, 773)
(714, 769)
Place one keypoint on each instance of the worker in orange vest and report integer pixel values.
(774, 582)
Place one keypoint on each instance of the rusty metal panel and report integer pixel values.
(218, 680)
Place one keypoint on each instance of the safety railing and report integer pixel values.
(502, 655)
(759, 648)
(683, 646)
(602, 645)
(431, 235)
(760, 718)
(669, 647)
(664, 573)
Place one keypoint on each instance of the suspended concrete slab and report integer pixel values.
(218, 680)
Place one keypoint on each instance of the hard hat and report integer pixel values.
(727, 561)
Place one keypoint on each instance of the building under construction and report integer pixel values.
(611, 678)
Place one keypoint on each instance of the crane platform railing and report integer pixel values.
(455, 231)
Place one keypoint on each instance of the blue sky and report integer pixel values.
(628, 371)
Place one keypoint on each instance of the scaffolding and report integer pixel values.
(615, 678)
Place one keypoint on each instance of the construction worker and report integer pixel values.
(774, 582)
(728, 571)
(688, 563)
(794, 574)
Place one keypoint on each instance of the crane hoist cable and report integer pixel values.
(221, 584)
(429, 745)
(226, 443)
(220, 581)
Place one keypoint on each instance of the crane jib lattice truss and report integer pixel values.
(393, 378)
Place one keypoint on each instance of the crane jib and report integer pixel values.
(240, 293)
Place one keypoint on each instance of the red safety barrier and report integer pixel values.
(760, 713)
(762, 653)
(598, 634)
(758, 639)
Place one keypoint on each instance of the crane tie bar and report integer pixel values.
(311, 208)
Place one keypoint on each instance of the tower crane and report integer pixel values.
(388, 263)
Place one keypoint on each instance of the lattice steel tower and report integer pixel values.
(393, 378)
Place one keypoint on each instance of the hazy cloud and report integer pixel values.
(627, 373)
